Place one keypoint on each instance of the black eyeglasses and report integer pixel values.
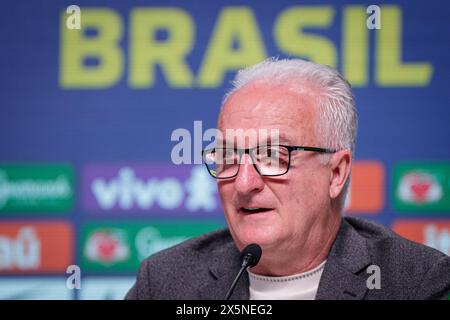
(268, 160)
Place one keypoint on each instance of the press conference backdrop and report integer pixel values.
(89, 116)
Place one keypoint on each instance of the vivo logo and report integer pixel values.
(153, 188)
(127, 190)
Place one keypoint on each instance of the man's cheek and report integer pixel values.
(223, 194)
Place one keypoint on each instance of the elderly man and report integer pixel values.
(291, 207)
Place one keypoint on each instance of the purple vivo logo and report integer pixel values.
(153, 189)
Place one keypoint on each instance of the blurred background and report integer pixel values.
(91, 93)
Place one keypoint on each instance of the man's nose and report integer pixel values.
(248, 179)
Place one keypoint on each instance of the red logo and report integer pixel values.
(107, 246)
(419, 188)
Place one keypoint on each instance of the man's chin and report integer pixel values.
(264, 239)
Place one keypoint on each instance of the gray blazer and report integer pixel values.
(205, 267)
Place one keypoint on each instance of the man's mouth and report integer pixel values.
(252, 210)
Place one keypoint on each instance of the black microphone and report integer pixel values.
(249, 258)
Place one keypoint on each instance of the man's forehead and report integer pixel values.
(261, 138)
(271, 109)
(274, 106)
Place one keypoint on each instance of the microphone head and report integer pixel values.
(252, 253)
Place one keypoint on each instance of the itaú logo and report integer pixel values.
(127, 191)
(22, 252)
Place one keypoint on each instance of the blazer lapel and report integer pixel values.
(225, 265)
(343, 276)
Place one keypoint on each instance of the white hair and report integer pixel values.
(338, 119)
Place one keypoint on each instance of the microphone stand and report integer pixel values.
(246, 261)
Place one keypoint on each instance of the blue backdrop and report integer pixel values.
(107, 97)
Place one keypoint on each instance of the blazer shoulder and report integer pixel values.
(423, 270)
(383, 241)
(191, 249)
(174, 272)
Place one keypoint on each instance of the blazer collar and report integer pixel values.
(340, 278)
(224, 266)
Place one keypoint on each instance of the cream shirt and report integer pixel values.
(302, 286)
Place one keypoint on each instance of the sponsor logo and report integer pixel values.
(419, 187)
(35, 247)
(122, 247)
(435, 234)
(422, 187)
(149, 241)
(366, 191)
(36, 188)
(107, 246)
(33, 288)
(22, 251)
(153, 189)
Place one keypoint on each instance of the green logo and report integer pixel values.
(122, 246)
(422, 187)
(36, 188)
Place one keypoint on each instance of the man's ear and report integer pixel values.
(340, 165)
